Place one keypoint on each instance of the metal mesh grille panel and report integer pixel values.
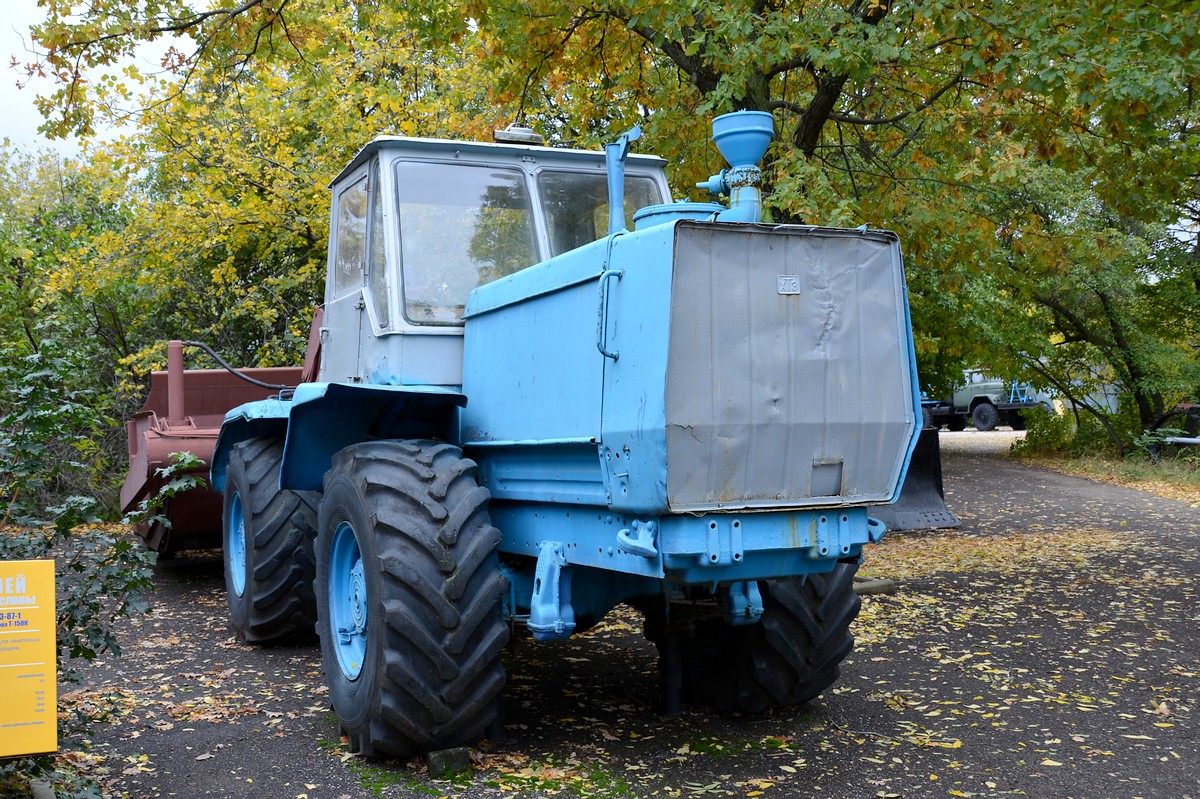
(788, 381)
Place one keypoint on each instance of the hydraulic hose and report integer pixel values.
(233, 370)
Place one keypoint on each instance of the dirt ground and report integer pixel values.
(1047, 648)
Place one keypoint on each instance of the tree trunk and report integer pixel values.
(808, 130)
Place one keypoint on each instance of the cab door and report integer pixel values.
(345, 300)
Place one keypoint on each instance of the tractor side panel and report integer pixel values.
(534, 378)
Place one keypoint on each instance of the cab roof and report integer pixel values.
(486, 149)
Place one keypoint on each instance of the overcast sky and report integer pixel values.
(19, 119)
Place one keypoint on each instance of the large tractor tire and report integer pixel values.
(793, 654)
(268, 540)
(985, 417)
(408, 595)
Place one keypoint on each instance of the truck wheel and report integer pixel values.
(985, 417)
(790, 657)
(956, 423)
(1016, 420)
(408, 598)
(268, 540)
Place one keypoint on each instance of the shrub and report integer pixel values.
(102, 575)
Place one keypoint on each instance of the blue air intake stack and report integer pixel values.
(743, 138)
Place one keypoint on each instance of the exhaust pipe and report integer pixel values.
(176, 411)
(614, 161)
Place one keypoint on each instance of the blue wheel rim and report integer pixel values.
(235, 545)
(347, 601)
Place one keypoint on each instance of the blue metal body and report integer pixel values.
(645, 416)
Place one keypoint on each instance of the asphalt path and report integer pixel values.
(1047, 648)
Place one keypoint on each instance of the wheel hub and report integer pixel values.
(348, 601)
(235, 546)
(357, 601)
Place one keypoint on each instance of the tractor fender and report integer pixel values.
(320, 419)
(250, 420)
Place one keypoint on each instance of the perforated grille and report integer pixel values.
(788, 382)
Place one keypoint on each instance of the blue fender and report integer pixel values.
(252, 420)
(318, 419)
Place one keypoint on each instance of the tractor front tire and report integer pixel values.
(793, 654)
(268, 541)
(985, 417)
(409, 591)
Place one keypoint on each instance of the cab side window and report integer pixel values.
(377, 273)
(350, 243)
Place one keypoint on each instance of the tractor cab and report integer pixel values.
(418, 223)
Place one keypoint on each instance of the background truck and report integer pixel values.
(986, 402)
(524, 414)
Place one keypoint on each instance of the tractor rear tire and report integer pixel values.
(793, 654)
(985, 417)
(409, 593)
(268, 540)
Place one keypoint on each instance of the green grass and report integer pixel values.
(1176, 478)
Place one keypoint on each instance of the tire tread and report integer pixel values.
(279, 604)
(440, 675)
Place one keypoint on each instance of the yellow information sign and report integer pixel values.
(28, 678)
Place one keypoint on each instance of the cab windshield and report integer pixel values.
(576, 205)
(460, 226)
(463, 225)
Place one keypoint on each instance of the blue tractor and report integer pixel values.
(525, 414)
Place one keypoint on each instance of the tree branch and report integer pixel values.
(702, 77)
(179, 26)
(933, 98)
(1079, 402)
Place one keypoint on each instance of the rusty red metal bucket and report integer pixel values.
(183, 413)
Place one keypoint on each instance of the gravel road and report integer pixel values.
(1047, 648)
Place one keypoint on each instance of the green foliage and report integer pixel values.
(1182, 422)
(1047, 433)
(103, 576)
(68, 342)
(176, 481)
(50, 418)
(1154, 445)
(1082, 297)
(1075, 433)
(47, 433)
(225, 182)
